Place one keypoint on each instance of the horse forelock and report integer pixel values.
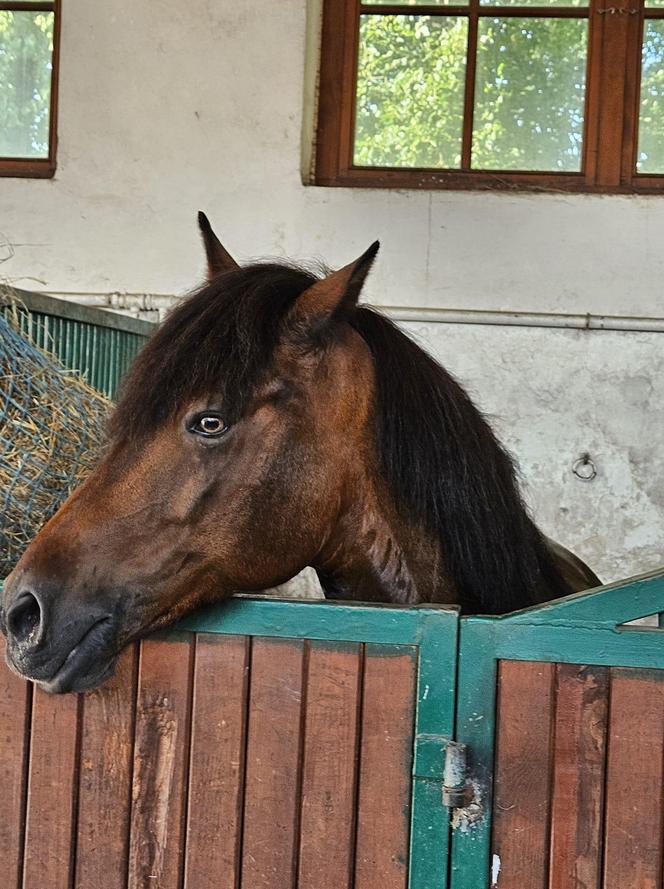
(220, 340)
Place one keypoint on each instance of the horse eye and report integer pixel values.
(208, 424)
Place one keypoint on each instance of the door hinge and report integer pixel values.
(441, 761)
(457, 791)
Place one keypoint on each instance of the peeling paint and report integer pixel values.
(495, 871)
(467, 818)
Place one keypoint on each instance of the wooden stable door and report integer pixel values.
(217, 761)
(579, 784)
(562, 710)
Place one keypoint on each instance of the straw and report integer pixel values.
(52, 426)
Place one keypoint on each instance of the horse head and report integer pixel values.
(241, 437)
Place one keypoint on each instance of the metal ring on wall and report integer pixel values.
(584, 468)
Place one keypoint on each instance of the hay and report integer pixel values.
(51, 433)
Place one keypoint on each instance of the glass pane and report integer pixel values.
(651, 115)
(410, 88)
(529, 94)
(654, 3)
(26, 50)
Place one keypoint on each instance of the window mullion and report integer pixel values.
(632, 89)
(593, 91)
(469, 97)
(611, 88)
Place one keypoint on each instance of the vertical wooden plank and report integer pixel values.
(385, 767)
(161, 749)
(522, 788)
(15, 709)
(633, 821)
(216, 773)
(273, 765)
(327, 831)
(578, 782)
(51, 791)
(104, 802)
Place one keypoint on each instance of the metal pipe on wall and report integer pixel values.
(130, 303)
(525, 319)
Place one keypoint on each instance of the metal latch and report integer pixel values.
(457, 791)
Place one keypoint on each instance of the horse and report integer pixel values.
(273, 423)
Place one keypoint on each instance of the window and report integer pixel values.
(543, 94)
(29, 33)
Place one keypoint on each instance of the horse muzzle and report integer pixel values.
(58, 644)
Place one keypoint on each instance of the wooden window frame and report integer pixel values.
(39, 168)
(611, 103)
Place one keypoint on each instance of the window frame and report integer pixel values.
(611, 103)
(30, 167)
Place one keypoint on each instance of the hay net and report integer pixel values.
(51, 433)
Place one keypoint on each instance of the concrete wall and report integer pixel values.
(170, 107)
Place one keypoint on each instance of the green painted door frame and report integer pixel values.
(587, 628)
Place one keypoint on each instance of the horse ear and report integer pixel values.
(338, 293)
(218, 258)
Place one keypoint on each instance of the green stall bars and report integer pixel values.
(99, 344)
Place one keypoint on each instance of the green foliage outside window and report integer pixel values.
(410, 91)
(529, 93)
(26, 53)
(651, 131)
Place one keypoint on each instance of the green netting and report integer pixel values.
(51, 434)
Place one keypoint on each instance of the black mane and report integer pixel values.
(446, 466)
(440, 457)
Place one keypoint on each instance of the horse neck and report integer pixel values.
(374, 554)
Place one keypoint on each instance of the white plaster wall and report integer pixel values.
(167, 107)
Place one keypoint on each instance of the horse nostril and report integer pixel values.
(24, 618)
